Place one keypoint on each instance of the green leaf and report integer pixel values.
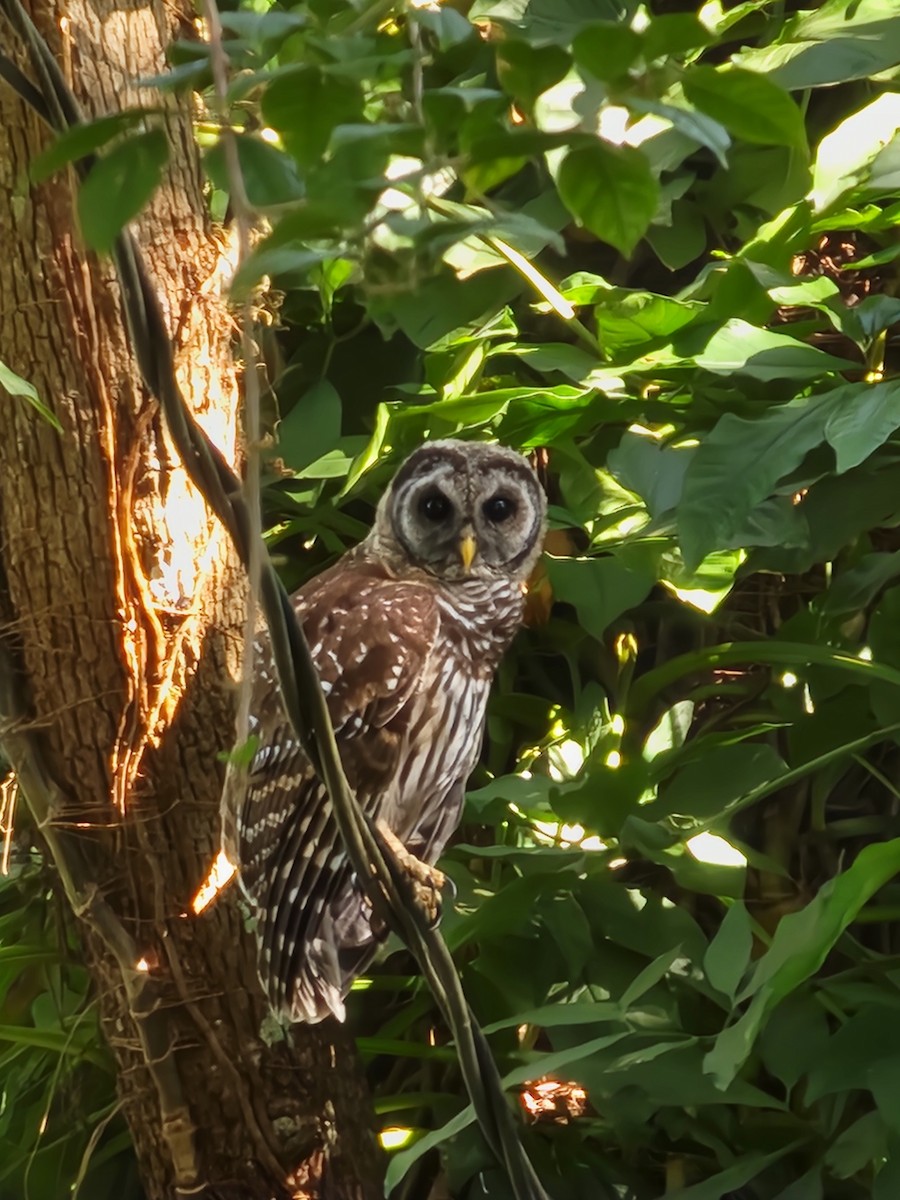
(800, 946)
(650, 976)
(260, 27)
(526, 71)
(312, 427)
(846, 156)
(81, 140)
(732, 1179)
(728, 955)
(682, 241)
(119, 185)
(863, 1145)
(831, 43)
(549, 20)
(74, 1042)
(739, 463)
(269, 175)
(866, 416)
(674, 34)
(748, 104)
(606, 49)
(802, 940)
(853, 590)
(796, 1039)
(611, 191)
(717, 776)
(627, 320)
(553, 1016)
(600, 588)
(744, 349)
(305, 105)
(651, 470)
(17, 386)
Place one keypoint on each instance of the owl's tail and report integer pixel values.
(341, 949)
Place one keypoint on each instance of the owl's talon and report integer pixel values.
(428, 882)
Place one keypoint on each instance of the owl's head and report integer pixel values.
(464, 509)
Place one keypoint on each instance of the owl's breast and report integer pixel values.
(442, 743)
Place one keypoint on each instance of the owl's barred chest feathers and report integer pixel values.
(469, 625)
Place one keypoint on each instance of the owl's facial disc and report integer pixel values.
(467, 509)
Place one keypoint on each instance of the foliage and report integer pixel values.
(655, 248)
(60, 1129)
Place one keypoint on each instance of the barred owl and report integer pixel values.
(406, 631)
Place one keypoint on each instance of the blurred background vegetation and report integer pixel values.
(654, 246)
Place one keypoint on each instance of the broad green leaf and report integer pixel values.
(75, 1042)
(599, 588)
(81, 140)
(611, 191)
(887, 1181)
(550, 20)
(853, 590)
(739, 464)
(651, 470)
(269, 175)
(801, 944)
(449, 26)
(867, 319)
(732, 1179)
(864, 418)
(683, 240)
(527, 71)
(553, 1016)
(796, 1039)
(728, 956)
(606, 49)
(674, 34)
(777, 653)
(627, 320)
(803, 939)
(649, 977)
(707, 585)
(119, 185)
(716, 776)
(862, 1145)
(312, 427)
(861, 1044)
(15, 385)
(845, 156)
(748, 104)
(305, 105)
(744, 349)
(20, 955)
(832, 43)
(807, 1187)
(264, 26)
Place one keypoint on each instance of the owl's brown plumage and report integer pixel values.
(406, 631)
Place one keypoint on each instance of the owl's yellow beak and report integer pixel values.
(468, 548)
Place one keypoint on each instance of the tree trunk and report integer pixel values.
(122, 606)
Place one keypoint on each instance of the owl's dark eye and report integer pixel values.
(499, 509)
(435, 506)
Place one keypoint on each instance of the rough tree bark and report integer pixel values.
(121, 603)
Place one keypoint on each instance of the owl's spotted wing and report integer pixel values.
(371, 637)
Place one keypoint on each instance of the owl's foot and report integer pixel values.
(427, 880)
